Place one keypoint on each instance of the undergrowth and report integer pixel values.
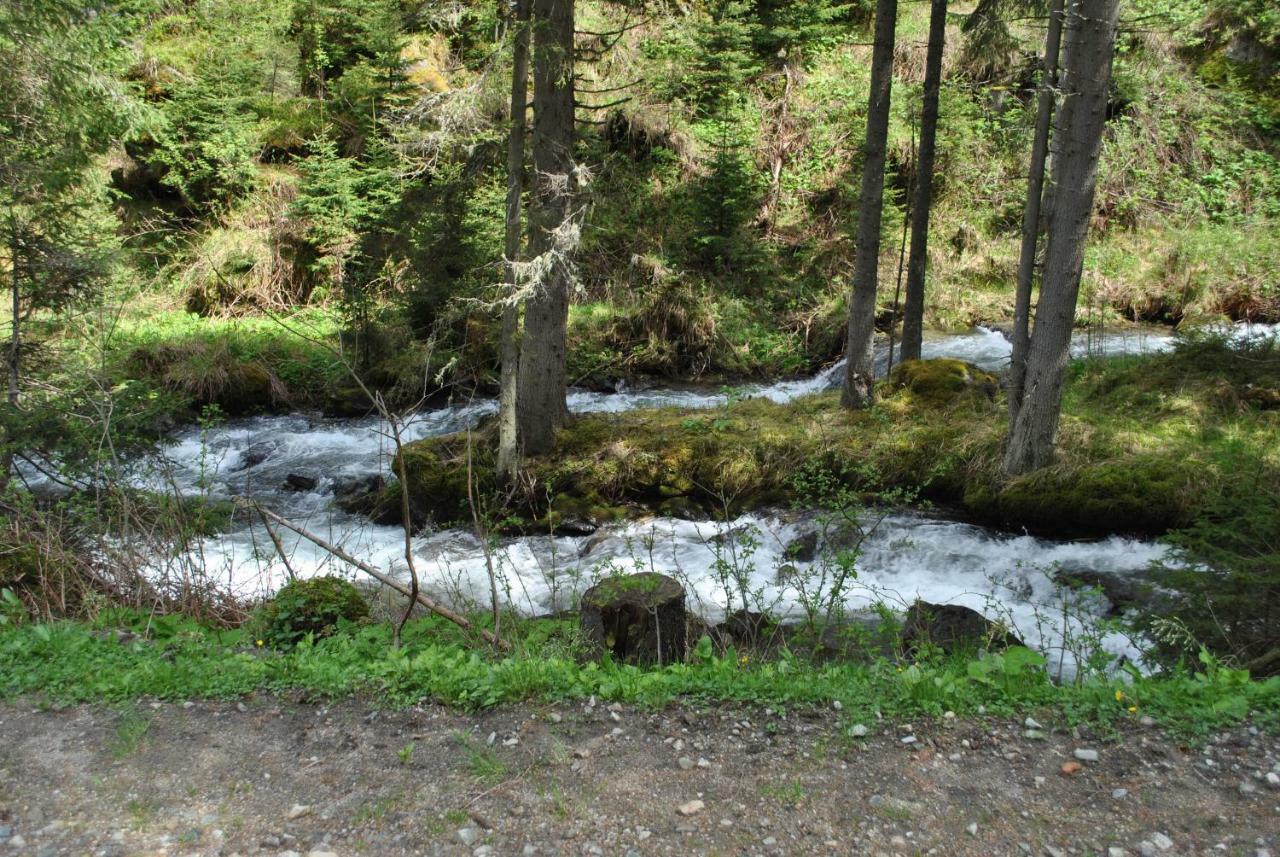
(177, 659)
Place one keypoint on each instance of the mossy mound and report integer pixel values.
(1143, 443)
(941, 380)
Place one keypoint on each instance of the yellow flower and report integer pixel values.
(1133, 709)
(261, 644)
(1119, 695)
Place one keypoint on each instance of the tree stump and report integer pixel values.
(638, 618)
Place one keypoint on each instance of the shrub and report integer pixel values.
(316, 606)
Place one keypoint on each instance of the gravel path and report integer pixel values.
(275, 777)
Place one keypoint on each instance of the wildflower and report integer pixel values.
(1119, 695)
(1133, 709)
(261, 644)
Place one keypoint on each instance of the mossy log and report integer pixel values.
(637, 618)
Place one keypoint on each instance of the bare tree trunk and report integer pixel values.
(913, 313)
(1031, 212)
(859, 377)
(542, 354)
(15, 289)
(508, 438)
(781, 148)
(1089, 48)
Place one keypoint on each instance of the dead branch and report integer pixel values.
(435, 607)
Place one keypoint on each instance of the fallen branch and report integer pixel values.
(434, 606)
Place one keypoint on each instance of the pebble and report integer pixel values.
(1161, 841)
(17, 842)
(858, 731)
(769, 842)
(1147, 720)
(299, 810)
(1273, 779)
(1246, 788)
(1070, 769)
(188, 705)
(554, 717)
(5, 832)
(1113, 851)
(1033, 735)
(685, 763)
(837, 705)
(693, 807)
(1086, 755)
(972, 828)
(908, 739)
(703, 763)
(1031, 723)
(468, 836)
(1119, 794)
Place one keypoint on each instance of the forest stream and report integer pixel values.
(906, 555)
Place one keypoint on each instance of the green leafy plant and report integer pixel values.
(315, 607)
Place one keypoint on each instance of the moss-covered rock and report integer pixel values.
(942, 380)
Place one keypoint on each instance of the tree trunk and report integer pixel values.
(859, 377)
(1031, 212)
(1089, 48)
(542, 354)
(913, 314)
(15, 290)
(508, 438)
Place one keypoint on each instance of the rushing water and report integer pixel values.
(906, 556)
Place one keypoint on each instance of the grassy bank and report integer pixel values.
(123, 657)
(1145, 443)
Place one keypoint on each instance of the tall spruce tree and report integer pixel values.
(921, 205)
(552, 239)
(1077, 142)
(859, 379)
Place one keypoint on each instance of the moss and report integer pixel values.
(1141, 447)
(942, 380)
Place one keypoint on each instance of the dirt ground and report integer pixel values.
(269, 776)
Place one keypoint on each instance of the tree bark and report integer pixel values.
(913, 312)
(15, 292)
(1088, 49)
(859, 377)
(1031, 212)
(508, 436)
(542, 355)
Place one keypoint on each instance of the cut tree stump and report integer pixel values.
(638, 618)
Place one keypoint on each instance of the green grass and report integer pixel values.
(68, 663)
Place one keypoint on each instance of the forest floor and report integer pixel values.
(274, 776)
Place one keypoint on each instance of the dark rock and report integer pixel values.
(1122, 589)
(953, 628)
(750, 629)
(358, 495)
(298, 482)
(255, 454)
(575, 525)
(638, 618)
(802, 549)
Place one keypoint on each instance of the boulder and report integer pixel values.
(253, 455)
(298, 482)
(944, 379)
(802, 548)
(1122, 589)
(358, 495)
(953, 629)
(637, 618)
